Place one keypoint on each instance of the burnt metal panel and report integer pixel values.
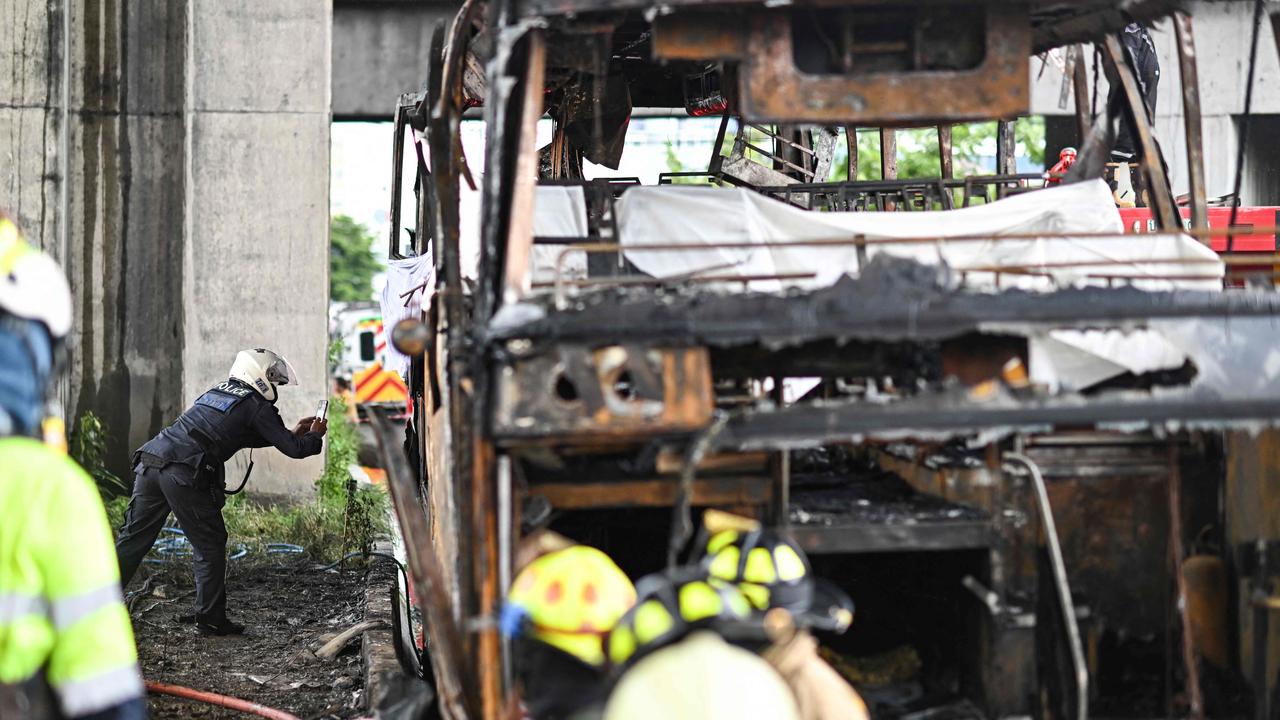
(890, 300)
(708, 491)
(885, 537)
(574, 393)
(699, 36)
(1114, 528)
(952, 415)
(772, 87)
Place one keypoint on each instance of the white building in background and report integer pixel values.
(1222, 32)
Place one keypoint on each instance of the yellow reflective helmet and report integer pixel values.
(772, 572)
(668, 607)
(770, 569)
(569, 599)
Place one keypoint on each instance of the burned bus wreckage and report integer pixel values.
(1033, 453)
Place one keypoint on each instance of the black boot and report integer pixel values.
(226, 627)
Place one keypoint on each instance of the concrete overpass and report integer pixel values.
(380, 51)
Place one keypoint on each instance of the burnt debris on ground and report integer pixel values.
(290, 609)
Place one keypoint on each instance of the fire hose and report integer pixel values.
(225, 701)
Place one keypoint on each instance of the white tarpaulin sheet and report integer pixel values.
(702, 218)
(410, 282)
(559, 211)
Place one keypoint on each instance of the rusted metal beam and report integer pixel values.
(525, 180)
(484, 542)
(453, 682)
(1195, 700)
(930, 417)
(944, 151)
(780, 469)
(699, 36)
(886, 537)
(1006, 148)
(888, 153)
(851, 144)
(451, 514)
(707, 492)
(1166, 214)
(1191, 118)
(397, 175)
(1080, 88)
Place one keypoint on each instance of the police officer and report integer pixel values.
(66, 646)
(181, 469)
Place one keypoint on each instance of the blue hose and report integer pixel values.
(173, 544)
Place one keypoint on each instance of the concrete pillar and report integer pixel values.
(188, 200)
(258, 201)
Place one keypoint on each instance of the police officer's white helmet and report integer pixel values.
(263, 370)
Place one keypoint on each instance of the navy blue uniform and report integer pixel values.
(181, 469)
(1141, 49)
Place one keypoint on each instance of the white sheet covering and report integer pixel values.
(558, 211)
(701, 217)
(416, 277)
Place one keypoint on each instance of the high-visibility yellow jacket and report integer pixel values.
(61, 614)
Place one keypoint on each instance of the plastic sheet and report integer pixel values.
(701, 217)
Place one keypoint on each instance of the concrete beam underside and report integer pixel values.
(380, 50)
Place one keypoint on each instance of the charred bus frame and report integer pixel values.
(621, 367)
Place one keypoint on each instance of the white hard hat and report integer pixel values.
(263, 370)
(32, 286)
(702, 678)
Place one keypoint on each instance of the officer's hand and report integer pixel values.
(320, 426)
(303, 426)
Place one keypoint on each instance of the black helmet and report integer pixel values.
(773, 572)
(668, 607)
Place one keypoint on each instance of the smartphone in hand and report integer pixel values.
(322, 410)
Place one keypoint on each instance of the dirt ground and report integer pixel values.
(290, 609)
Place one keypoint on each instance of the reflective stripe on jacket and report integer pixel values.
(60, 606)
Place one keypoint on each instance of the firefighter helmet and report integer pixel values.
(668, 607)
(773, 572)
(569, 599)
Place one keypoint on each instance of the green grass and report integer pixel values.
(340, 518)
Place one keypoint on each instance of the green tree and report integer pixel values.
(918, 149)
(352, 264)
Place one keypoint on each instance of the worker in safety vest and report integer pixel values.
(679, 655)
(181, 470)
(774, 574)
(560, 607)
(66, 646)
